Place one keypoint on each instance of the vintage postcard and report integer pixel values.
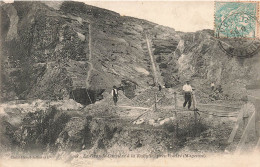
(129, 83)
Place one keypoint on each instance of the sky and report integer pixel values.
(186, 16)
(182, 16)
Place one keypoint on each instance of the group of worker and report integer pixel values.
(187, 90)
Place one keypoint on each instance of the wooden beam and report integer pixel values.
(155, 102)
(249, 126)
(217, 105)
(236, 126)
(175, 100)
(133, 107)
(194, 103)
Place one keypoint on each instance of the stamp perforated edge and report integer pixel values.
(257, 19)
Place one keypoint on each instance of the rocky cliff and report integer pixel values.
(55, 51)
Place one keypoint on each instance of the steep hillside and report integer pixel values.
(55, 53)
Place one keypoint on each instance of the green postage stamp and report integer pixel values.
(237, 27)
(236, 19)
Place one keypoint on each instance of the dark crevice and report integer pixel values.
(86, 96)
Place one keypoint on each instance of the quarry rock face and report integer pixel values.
(46, 53)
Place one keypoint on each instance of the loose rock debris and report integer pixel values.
(74, 57)
(101, 127)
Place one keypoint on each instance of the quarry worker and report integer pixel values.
(212, 85)
(187, 89)
(219, 89)
(160, 87)
(114, 94)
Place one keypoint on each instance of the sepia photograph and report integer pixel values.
(129, 83)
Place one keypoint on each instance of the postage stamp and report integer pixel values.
(236, 19)
(237, 27)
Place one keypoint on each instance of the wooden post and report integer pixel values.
(155, 103)
(254, 97)
(49, 103)
(195, 123)
(89, 97)
(175, 112)
(235, 128)
(73, 95)
(257, 123)
(195, 117)
(194, 102)
(175, 100)
(195, 112)
(241, 143)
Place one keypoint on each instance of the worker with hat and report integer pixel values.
(114, 94)
(187, 89)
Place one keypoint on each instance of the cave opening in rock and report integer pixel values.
(86, 96)
(128, 88)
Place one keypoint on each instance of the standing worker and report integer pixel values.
(212, 85)
(187, 94)
(160, 87)
(114, 93)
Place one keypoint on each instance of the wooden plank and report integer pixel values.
(249, 126)
(219, 111)
(175, 100)
(218, 114)
(217, 105)
(133, 107)
(139, 116)
(233, 133)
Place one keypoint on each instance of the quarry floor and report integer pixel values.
(66, 129)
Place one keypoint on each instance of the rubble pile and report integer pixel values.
(146, 98)
(66, 105)
(36, 105)
(100, 128)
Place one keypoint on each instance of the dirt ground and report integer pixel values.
(134, 126)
